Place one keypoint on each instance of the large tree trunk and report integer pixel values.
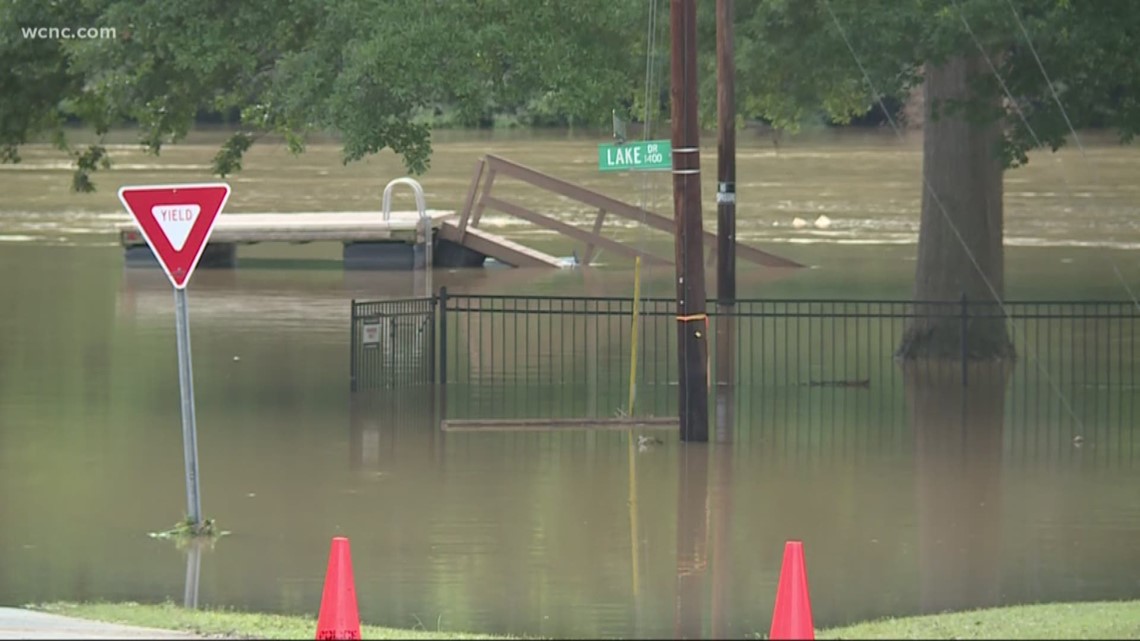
(961, 217)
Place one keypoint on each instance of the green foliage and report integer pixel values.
(792, 61)
(363, 69)
(186, 531)
(227, 623)
(368, 70)
(1098, 620)
(36, 79)
(228, 159)
(791, 67)
(86, 161)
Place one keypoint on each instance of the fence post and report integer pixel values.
(432, 300)
(442, 380)
(964, 339)
(352, 349)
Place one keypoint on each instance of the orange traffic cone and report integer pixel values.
(339, 618)
(791, 618)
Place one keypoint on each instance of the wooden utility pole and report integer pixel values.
(725, 198)
(725, 157)
(692, 321)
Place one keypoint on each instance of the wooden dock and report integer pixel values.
(558, 424)
(480, 198)
(370, 241)
(497, 247)
(307, 227)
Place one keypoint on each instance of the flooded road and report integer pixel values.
(930, 500)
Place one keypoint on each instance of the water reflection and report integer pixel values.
(724, 403)
(954, 435)
(720, 503)
(530, 534)
(272, 299)
(958, 436)
(721, 506)
(193, 573)
(535, 533)
(692, 540)
(386, 428)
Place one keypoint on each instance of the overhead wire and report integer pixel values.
(688, 53)
(1029, 128)
(648, 187)
(949, 221)
(1052, 87)
(650, 55)
(1025, 121)
(1068, 123)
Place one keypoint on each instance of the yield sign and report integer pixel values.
(176, 221)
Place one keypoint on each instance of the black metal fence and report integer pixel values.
(393, 343)
(803, 363)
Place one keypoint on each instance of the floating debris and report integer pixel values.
(185, 531)
(646, 442)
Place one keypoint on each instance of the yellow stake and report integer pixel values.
(633, 333)
(633, 535)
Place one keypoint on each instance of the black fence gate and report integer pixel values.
(393, 343)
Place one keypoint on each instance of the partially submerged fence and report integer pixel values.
(542, 357)
(393, 343)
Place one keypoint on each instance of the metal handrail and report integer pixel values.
(424, 222)
(416, 189)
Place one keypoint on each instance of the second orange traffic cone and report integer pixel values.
(339, 618)
(791, 618)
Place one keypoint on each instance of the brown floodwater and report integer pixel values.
(926, 499)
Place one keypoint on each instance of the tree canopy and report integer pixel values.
(793, 58)
(362, 69)
(367, 69)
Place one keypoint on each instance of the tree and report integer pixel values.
(40, 89)
(844, 56)
(362, 69)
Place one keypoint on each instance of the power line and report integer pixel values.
(1068, 123)
(949, 221)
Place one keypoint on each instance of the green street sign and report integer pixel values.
(645, 155)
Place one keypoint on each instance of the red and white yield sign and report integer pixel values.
(176, 221)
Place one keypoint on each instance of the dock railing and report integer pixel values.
(479, 198)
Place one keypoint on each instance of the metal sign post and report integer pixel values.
(189, 422)
(176, 221)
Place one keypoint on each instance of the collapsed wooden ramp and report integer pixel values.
(503, 250)
(466, 232)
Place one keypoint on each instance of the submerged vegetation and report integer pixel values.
(186, 531)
